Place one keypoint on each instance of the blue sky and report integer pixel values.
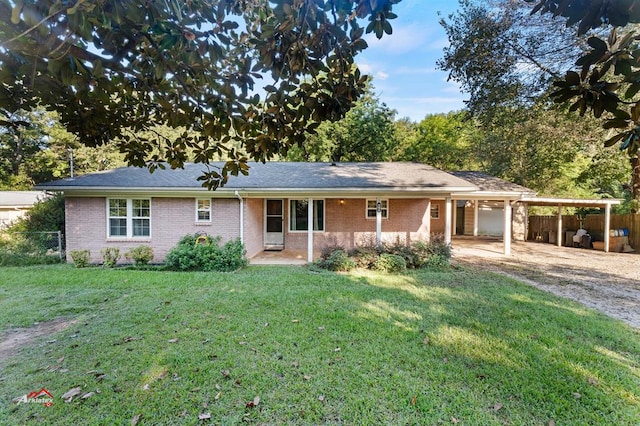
(403, 64)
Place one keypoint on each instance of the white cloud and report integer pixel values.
(404, 39)
(381, 75)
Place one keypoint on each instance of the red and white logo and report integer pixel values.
(42, 396)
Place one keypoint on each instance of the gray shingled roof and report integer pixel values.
(277, 175)
(488, 183)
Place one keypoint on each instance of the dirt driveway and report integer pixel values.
(608, 282)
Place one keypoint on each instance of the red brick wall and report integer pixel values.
(171, 219)
(346, 224)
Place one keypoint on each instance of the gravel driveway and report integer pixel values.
(607, 282)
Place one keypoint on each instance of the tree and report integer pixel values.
(502, 57)
(366, 133)
(607, 79)
(112, 64)
(37, 149)
(443, 141)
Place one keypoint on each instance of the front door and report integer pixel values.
(274, 223)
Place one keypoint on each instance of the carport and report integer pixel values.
(562, 203)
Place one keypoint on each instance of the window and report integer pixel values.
(203, 210)
(128, 218)
(299, 215)
(372, 209)
(435, 211)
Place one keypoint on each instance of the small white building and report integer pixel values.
(14, 204)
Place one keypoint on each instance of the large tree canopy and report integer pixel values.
(113, 68)
(501, 56)
(606, 80)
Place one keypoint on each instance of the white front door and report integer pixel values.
(274, 223)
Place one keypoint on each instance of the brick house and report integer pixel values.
(271, 209)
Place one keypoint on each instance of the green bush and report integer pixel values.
(45, 216)
(388, 262)
(110, 256)
(204, 253)
(337, 261)
(433, 254)
(80, 258)
(15, 250)
(140, 255)
(364, 256)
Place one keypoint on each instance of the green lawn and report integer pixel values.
(463, 347)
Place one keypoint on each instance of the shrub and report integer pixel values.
(110, 256)
(45, 216)
(364, 256)
(388, 262)
(200, 252)
(140, 255)
(80, 258)
(337, 261)
(15, 250)
(433, 254)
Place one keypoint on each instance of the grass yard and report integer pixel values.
(282, 345)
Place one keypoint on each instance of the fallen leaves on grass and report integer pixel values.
(71, 393)
(321, 398)
(175, 340)
(204, 416)
(254, 403)
(88, 395)
(135, 419)
(497, 406)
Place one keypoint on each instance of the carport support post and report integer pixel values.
(476, 204)
(447, 220)
(310, 230)
(506, 237)
(559, 235)
(607, 225)
(378, 222)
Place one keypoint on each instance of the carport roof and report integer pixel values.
(570, 202)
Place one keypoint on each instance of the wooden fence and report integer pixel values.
(540, 226)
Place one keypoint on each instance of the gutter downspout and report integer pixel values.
(241, 216)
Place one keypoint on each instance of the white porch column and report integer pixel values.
(476, 204)
(454, 228)
(447, 220)
(559, 234)
(506, 237)
(378, 222)
(310, 231)
(607, 225)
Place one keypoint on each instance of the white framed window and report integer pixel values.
(128, 218)
(299, 215)
(435, 211)
(203, 210)
(372, 208)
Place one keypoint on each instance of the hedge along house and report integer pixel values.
(297, 206)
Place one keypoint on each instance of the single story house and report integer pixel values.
(14, 204)
(298, 206)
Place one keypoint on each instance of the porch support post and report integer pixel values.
(476, 204)
(506, 237)
(447, 220)
(559, 235)
(310, 230)
(607, 225)
(378, 222)
(454, 228)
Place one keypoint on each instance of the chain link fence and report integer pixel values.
(31, 248)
